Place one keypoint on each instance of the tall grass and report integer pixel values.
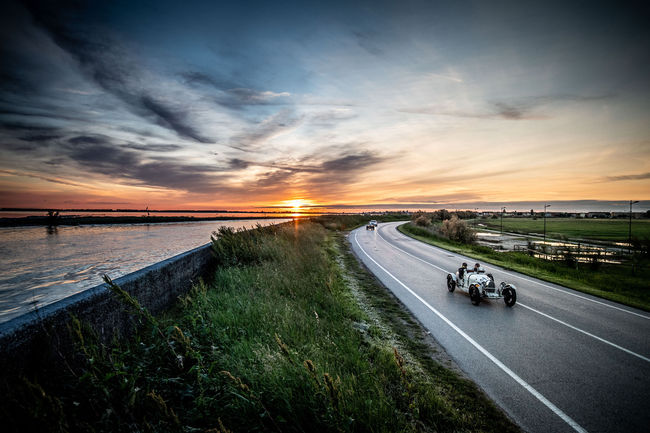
(276, 341)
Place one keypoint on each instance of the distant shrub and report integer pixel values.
(456, 229)
(423, 221)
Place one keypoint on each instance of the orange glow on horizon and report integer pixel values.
(296, 204)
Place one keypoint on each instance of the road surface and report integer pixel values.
(558, 361)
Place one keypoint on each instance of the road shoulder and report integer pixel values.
(420, 343)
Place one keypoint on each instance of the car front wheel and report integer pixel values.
(474, 294)
(509, 296)
(451, 284)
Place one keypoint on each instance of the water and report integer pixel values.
(101, 213)
(40, 265)
(551, 249)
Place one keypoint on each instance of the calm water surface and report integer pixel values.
(40, 265)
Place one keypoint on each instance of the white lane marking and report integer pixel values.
(547, 286)
(534, 310)
(566, 418)
(415, 257)
(585, 332)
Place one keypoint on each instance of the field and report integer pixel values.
(612, 230)
(291, 334)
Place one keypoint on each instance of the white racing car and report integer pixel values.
(480, 285)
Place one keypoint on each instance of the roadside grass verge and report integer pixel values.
(611, 282)
(291, 334)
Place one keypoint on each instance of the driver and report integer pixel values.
(477, 267)
(461, 271)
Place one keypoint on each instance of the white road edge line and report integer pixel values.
(550, 287)
(566, 418)
(534, 310)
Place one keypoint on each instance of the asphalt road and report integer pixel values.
(558, 361)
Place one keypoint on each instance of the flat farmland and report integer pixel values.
(612, 230)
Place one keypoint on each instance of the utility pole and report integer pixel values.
(503, 210)
(629, 236)
(545, 206)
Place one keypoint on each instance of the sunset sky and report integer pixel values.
(213, 105)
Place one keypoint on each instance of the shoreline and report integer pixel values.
(46, 221)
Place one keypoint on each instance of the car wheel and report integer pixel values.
(509, 296)
(451, 284)
(474, 294)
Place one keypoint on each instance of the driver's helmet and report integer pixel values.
(464, 266)
(477, 266)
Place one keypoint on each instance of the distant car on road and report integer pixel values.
(371, 225)
(480, 285)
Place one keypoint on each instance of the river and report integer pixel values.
(40, 265)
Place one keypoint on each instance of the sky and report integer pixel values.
(213, 105)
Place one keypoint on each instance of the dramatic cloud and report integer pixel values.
(45, 178)
(233, 95)
(276, 124)
(351, 163)
(40, 137)
(640, 176)
(152, 147)
(529, 108)
(110, 66)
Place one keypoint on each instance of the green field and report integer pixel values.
(612, 230)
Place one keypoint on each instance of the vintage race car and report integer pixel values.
(480, 285)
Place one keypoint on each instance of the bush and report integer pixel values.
(423, 221)
(456, 229)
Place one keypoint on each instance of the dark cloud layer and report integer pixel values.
(122, 163)
(529, 108)
(234, 95)
(108, 65)
(640, 176)
(252, 138)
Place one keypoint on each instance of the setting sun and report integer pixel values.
(296, 204)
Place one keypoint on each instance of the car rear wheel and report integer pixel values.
(451, 284)
(474, 294)
(509, 296)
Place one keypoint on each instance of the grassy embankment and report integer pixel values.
(290, 335)
(614, 282)
(611, 230)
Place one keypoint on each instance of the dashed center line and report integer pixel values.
(536, 311)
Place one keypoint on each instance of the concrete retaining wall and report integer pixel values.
(41, 337)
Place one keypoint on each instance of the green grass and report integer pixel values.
(612, 230)
(613, 282)
(291, 334)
